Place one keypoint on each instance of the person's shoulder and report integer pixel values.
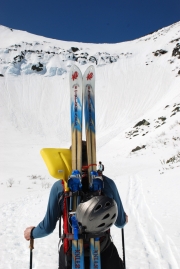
(109, 187)
(108, 180)
(58, 186)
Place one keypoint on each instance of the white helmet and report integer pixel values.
(97, 214)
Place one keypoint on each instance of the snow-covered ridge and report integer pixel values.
(33, 54)
(161, 32)
(42, 58)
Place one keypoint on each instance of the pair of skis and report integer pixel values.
(82, 90)
(82, 94)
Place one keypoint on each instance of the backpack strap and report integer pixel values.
(105, 240)
(85, 236)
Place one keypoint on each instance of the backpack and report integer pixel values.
(85, 196)
(102, 167)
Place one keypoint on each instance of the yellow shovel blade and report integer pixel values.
(58, 162)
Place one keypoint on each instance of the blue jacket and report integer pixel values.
(48, 224)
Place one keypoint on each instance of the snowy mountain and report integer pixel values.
(138, 138)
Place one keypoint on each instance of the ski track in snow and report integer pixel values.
(147, 244)
(14, 248)
(149, 247)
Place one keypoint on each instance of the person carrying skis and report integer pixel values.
(109, 253)
(100, 168)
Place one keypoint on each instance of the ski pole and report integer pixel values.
(31, 246)
(123, 248)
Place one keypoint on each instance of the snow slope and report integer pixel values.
(135, 81)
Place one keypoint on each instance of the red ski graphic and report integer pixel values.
(89, 76)
(75, 75)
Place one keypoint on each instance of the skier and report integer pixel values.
(100, 168)
(109, 254)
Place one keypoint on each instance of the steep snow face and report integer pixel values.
(138, 127)
(131, 78)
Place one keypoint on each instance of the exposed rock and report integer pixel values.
(175, 40)
(175, 159)
(162, 118)
(113, 59)
(85, 54)
(93, 59)
(142, 122)
(176, 50)
(18, 58)
(159, 52)
(135, 135)
(38, 67)
(1, 75)
(74, 49)
(176, 109)
(138, 148)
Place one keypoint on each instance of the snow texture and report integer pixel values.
(138, 139)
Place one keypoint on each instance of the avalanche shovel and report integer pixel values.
(31, 246)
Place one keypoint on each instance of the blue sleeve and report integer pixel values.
(111, 191)
(48, 224)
